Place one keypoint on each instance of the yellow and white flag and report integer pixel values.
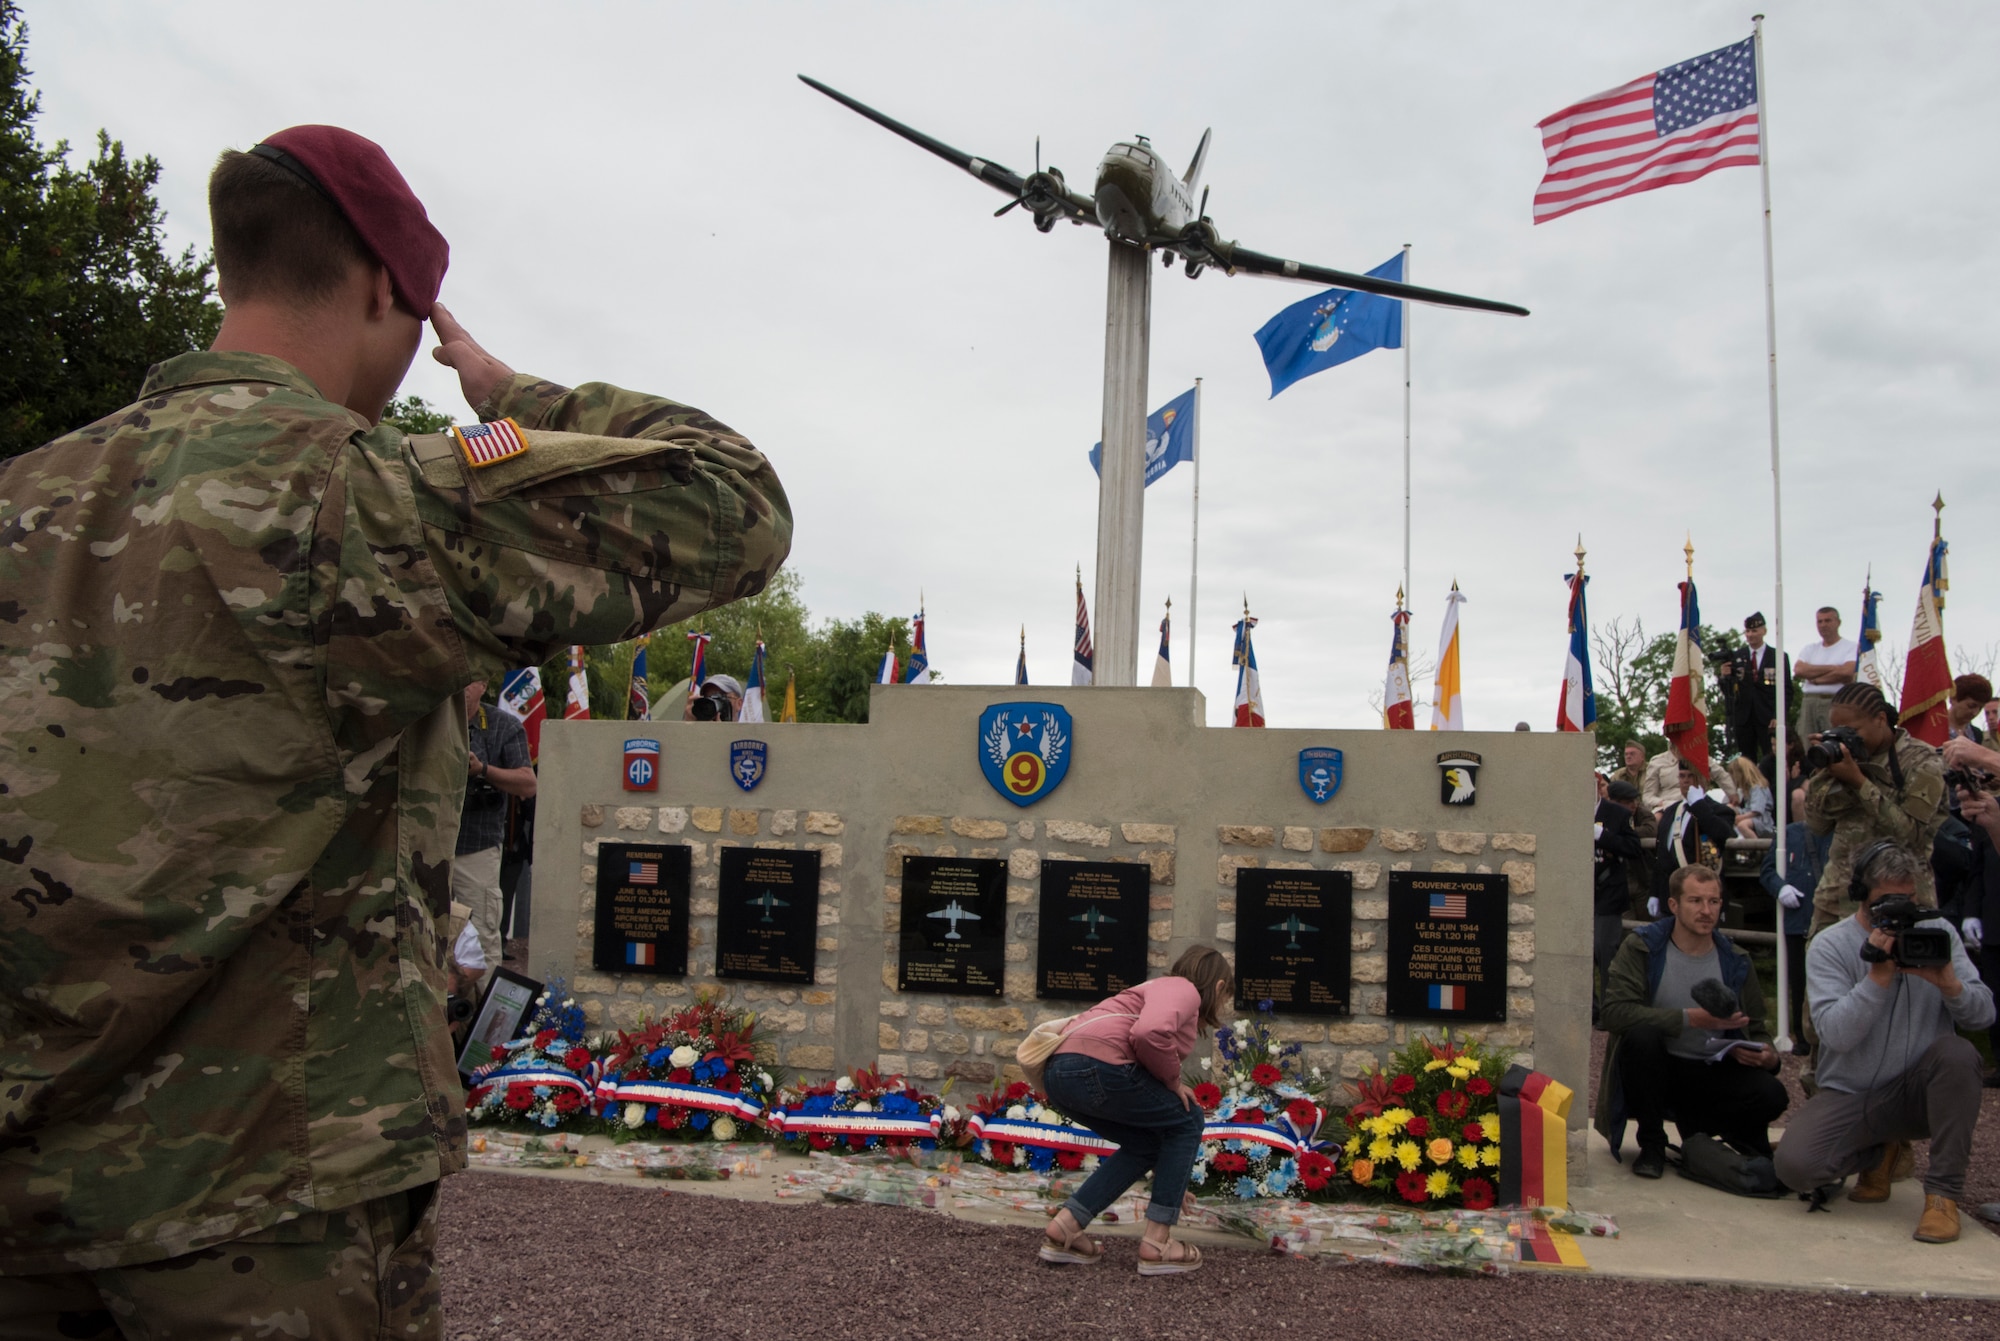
(1447, 710)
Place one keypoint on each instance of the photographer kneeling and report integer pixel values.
(1888, 988)
(1665, 1042)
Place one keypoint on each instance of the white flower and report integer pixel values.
(1020, 1156)
(1315, 1073)
(723, 1129)
(764, 1079)
(635, 1115)
(950, 1114)
(1018, 1113)
(1090, 1164)
(683, 1056)
(862, 1107)
(843, 1085)
(1206, 1063)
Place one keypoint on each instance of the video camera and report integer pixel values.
(1916, 947)
(1821, 753)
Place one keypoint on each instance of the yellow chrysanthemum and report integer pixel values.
(1408, 1155)
(1438, 1184)
(1489, 1155)
(1396, 1117)
(1457, 1072)
(1353, 1146)
(1436, 1064)
(1381, 1148)
(1439, 1150)
(1468, 1156)
(1471, 1065)
(1490, 1124)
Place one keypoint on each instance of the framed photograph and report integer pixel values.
(503, 1013)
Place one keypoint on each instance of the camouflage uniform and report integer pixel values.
(235, 624)
(1909, 818)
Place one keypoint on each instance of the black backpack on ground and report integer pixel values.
(1715, 1163)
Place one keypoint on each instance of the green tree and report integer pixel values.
(413, 414)
(90, 297)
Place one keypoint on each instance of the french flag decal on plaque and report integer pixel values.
(640, 954)
(1444, 997)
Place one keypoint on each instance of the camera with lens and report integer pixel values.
(710, 709)
(1821, 753)
(1916, 947)
(457, 1010)
(1970, 779)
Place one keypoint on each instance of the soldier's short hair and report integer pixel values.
(1691, 875)
(277, 236)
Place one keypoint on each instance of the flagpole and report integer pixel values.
(1194, 548)
(1781, 786)
(1407, 305)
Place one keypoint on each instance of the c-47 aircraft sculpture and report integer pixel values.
(1143, 208)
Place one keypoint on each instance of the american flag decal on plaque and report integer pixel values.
(1447, 905)
(489, 444)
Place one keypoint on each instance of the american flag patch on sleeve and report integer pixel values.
(487, 444)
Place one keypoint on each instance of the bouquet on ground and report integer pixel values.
(1014, 1128)
(699, 1074)
(1264, 1116)
(544, 1077)
(1426, 1130)
(863, 1111)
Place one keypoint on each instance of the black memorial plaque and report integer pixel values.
(642, 909)
(1447, 946)
(1093, 929)
(1293, 947)
(954, 935)
(767, 914)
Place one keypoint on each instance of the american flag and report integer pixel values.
(644, 873)
(485, 444)
(1447, 905)
(1661, 129)
(1083, 668)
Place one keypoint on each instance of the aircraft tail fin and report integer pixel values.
(1193, 178)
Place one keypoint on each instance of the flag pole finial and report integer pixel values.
(1937, 516)
(1579, 551)
(1688, 549)
(1399, 598)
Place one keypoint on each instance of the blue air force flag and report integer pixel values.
(1169, 436)
(1316, 333)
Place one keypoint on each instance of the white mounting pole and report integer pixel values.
(1194, 560)
(1407, 307)
(1121, 489)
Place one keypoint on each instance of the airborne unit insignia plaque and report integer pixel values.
(1458, 778)
(1024, 749)
(749, 760)
(1319, 774)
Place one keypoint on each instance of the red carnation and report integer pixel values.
(1410, 1186)
(1208, 1095)
(1000, 1152)
(1418, 1127)
(672, 1116)
(1478, 1194)
(577, 1058)
(1473, 1133)
(499, 1053)
(1304, 1114)
(546, 1037)
(1229, 1162)
(731, 1082)
(1479, 1086)
(1253, 1116)
(680, 1075)
(857, 1142)
(1315, 1170)
(1266, 1074)
(1403, 1084)
(1069, 1159)
(1017, 1090)
(520, 1097)
(1453, 1104)
(819, 1140)
(567, 1101)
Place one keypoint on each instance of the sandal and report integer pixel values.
(1176, 1258)
(1069, 1250)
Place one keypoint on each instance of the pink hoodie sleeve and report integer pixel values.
(1163, 1035)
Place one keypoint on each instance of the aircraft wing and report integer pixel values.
(1234, 258)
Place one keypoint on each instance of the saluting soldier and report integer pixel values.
(236, 619)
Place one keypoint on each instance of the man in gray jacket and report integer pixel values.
(1892, 1068)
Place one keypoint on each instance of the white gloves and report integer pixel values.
(1597, 831)
(1652, 907)
(1791, 896)
(1973, 932)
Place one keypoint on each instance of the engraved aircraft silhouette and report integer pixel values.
(954, 914)
(1140, 202)
(1090, 917)
(1291, 926)
(767, 901)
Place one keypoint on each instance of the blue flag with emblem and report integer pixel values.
(1329, 328)
(1170, 434)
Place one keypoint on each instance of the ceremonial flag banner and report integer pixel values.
(1169, 438)
(1926, 672)
(1080, 671)
(1021, 661)
(1398, 711)
(1576, 707)
(887, 674)
(698, 667)
(1867, 669)
(1671, 126)
(639, 701)
(1316, 333)
(521, 698)
(791, 712)
(578, 706)
(1163, 675)
(1686, 725)
(1249, 689)
(918, 671)
(1447, 705)
(753, 692)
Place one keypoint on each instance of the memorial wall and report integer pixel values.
(917, 892)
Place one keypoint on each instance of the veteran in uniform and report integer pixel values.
(235, 620)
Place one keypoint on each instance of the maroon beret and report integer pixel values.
(357, 176)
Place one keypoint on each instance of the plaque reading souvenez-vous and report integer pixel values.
(1292, 940)
(954, 936)
(642, 909)
(1447, 946)
(767, 914)
(1093, 929)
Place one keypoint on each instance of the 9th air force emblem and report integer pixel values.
(1319, 774)
(1024, 749)
(748, 762)
(1458, 777)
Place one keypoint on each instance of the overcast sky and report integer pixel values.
(644, 194)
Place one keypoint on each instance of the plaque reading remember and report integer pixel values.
(1292, 940)
(1093, 929)
(642, 910)
(1447, 946)
(954, 936)
(767, 914)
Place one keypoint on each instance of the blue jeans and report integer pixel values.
(1153, 1129)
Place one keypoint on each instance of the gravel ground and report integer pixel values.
(533, 1257)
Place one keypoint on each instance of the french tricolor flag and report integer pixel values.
(640, 954)
(1446, 997)
(1576, 708)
